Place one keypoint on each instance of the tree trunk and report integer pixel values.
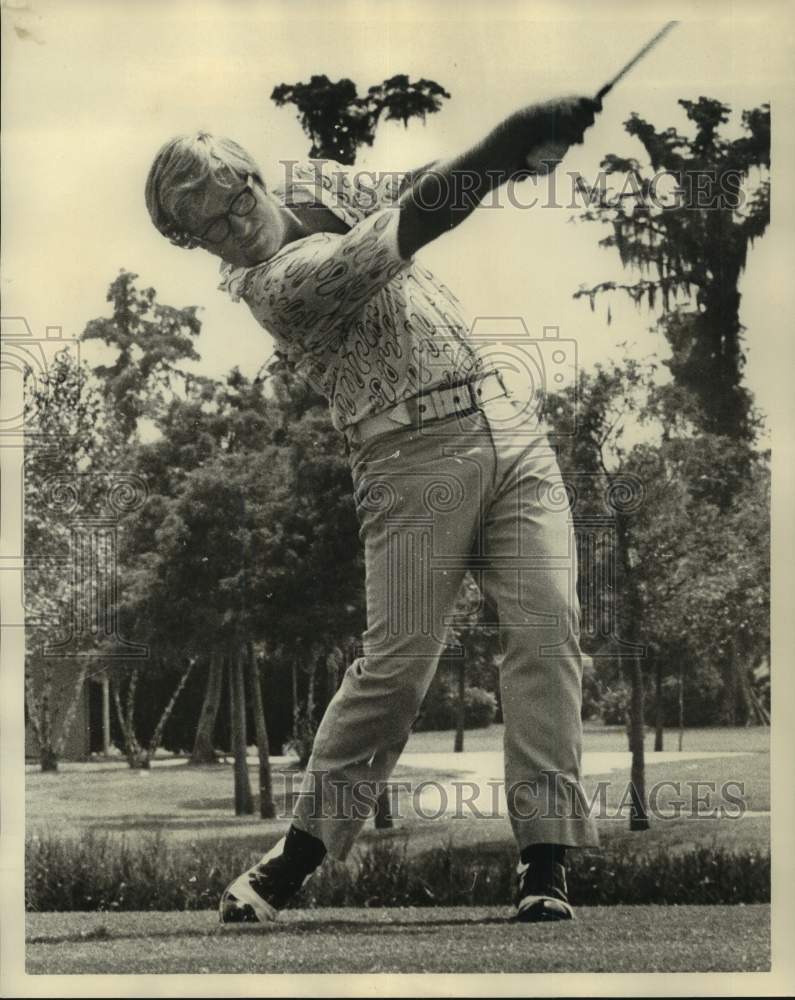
(735, 700)
(105, 714)
(294, 681)
(658, 704)
(204, 742)
(157, 735)
(383, 812)
(48, 756)
(310, 686)
(681, 704)
(71, 710)
(267, 809)
(639, 815)
(460, 710)
(40, 722)
(728, 701)
(126, 715)
(244, 804)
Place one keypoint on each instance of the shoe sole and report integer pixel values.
(244, 895)
(542, 909)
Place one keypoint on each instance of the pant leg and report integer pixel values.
(529, 572)
(419, 500)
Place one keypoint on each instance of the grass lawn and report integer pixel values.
(752, 833)
(599, 738)
(191, 804)
(473, 940)
(748, 773)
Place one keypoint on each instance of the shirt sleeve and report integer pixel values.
(313, 289)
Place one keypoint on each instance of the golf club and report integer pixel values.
(550, 154)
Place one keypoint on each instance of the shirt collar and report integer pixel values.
(304, 188)
(233, 279)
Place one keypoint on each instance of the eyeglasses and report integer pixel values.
(242, 204)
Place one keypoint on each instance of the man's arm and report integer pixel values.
(446, 192)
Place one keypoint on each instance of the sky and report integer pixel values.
(91, 90)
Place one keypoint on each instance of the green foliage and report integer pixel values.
(686, 568)
(151, 340)
(688, 247)
(105, 873)
(339, 121)
(440, 707)
(302, 737)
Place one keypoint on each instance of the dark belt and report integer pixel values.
(434, 404)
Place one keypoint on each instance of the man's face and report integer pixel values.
(241, 223)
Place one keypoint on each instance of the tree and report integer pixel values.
(142, 382)
(64, 410)
(595, 462)
(204, 743)
(478, 640)
(696, 574)
(693, 242)
(139, 755)
(338, 121)
(267, 809)
(151, 340)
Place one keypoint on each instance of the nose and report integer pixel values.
(245, 226)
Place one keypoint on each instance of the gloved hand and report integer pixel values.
(554, 126)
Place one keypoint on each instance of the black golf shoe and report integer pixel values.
(258, 894)
(542, 895)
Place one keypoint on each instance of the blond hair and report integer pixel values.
(181, 167)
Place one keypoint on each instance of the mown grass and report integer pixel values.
(743, 779)
(466, 940)
(190, 803)
(598, 739)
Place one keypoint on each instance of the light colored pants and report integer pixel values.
(483, 493)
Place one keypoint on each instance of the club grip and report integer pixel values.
(603, 93)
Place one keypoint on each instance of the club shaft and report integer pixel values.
(636, 58)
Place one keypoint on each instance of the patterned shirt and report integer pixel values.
(363, 326)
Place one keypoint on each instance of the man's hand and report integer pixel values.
(553, 127)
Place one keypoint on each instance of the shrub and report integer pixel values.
(302, 738)
(440, 708)
(108, 873)
(614, 705)
(480, 707)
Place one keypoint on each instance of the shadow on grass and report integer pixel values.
(157, 823)
(414, 926)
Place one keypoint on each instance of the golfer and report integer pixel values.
(447, 474)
